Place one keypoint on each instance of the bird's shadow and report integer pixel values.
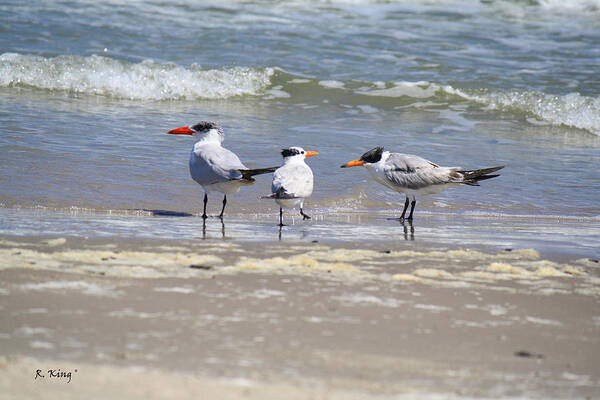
(167, 213)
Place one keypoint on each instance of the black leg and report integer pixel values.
(304, 216)
(205, 201)
(281, 216)
(412, 209)
(224, 204)
(404, 211)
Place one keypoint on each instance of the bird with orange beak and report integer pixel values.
(293, 181)
(214, 167)
(413, 175)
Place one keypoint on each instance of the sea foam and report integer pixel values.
(147, 80)
(571, 109)
(571, 5)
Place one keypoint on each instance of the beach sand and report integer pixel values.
(154, 319)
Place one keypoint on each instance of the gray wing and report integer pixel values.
(213, 164)
(414, 172)
(409, 162)
(292, 181)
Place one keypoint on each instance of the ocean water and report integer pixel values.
(89, 89)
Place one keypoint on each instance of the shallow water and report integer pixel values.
(562, 239)
(84, 109)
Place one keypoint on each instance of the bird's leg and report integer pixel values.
(205, 201)
(281, 217)
(304, 216)
(412, 208)
(224, 204)
(404, 211)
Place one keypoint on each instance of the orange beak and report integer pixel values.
(353, 163)
(310, 153)
(181, 131)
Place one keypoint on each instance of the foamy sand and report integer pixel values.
(156, 318)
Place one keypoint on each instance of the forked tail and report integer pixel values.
(475, 175)
(247, 174)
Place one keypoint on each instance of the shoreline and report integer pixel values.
(557, 239)
(237, 210)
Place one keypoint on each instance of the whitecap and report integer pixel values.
(147, 80)
(572, 109)
(416, 90)
(570, 5)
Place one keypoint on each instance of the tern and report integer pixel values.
(214, 167)
(293, 181)
(413, 175)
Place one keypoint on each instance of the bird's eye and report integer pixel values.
(302, 152)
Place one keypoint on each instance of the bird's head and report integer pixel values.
(201, 129)
(370, 157)
(296, 153)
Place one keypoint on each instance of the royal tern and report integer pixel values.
(413, 175)
(214, 167)
(293, 181)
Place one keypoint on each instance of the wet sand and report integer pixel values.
(252, 319)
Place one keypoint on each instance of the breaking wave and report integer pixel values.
(571, 5)
(147, 80)
(571, 109)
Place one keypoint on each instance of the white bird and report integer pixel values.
(293, 181)
(413, 175)
(214, 167)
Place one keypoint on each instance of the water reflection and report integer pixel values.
(204, 228)
(407, 228)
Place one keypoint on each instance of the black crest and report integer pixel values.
(372, 156)
(205, 126)
(290, 152)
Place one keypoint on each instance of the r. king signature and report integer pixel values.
(55, 374)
